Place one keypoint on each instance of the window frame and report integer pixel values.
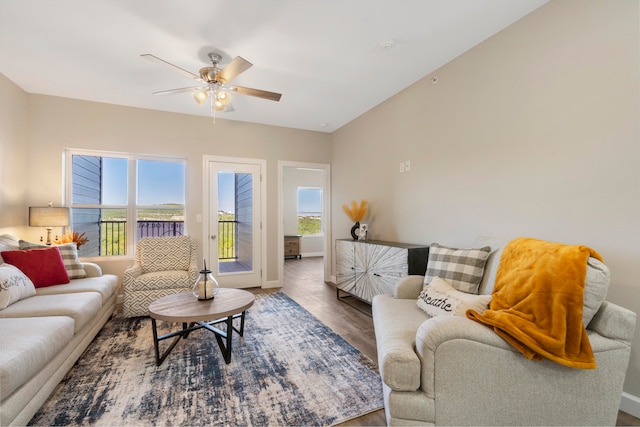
(132, 191)
(322, 213)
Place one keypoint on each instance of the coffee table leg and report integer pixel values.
(227, 356)
(155, 341)
(186, 329)
(241, 331)
(226, 347)
(224, 338)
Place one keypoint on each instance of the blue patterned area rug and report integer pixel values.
(288, 369)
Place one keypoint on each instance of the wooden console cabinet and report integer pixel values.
(292, 246)
(365, 268)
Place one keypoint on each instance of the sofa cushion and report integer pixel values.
(463, 268)
(595, 289)
(82, 307)
(161, 280)
(106, 285)
(8, 243)
(439, 298)
(69, 253)
(497, 244)
(24, 354)
(92, 269)
(43, 266)
(14, 285)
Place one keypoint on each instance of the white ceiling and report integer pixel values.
(324, 56)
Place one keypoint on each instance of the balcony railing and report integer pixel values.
(114, 242)
(159, 229)
(227, 237)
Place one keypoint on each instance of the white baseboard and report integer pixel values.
(630, 404)
(272, 284)
(311, 254)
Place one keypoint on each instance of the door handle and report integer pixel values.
(213, 237)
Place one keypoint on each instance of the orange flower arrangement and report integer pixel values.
(72, 236)
(356, 212)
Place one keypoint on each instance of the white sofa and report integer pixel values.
(42, 336)
(455, 371)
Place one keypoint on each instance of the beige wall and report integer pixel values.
(58, 123)
(14, 165)
(534, 132)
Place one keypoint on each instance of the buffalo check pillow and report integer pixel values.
(462, 268)
(69, 252)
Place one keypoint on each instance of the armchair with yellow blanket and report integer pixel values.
(546, 350)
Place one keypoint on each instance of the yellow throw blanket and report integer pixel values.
(537, 301)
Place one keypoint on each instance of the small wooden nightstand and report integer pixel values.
(292, 246)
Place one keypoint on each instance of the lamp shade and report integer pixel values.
(48, 217)
(200, 96)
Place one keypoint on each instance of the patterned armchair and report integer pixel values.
(162, 266)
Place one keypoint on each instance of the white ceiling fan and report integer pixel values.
(214, 82)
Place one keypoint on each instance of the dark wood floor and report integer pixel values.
(303, 282)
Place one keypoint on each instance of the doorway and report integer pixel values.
(289, 182)
(234, 229)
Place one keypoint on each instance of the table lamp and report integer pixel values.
(48, 217)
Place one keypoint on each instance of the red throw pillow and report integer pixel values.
(44, 267)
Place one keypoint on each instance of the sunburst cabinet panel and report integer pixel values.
(365, 268)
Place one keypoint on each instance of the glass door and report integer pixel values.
(234, 224)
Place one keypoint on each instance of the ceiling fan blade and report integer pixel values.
(231, 71)
(181, 90)
(272, 96)
(168, 64)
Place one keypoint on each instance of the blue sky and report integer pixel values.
(309, 200)
(158, 182)
(163, 182)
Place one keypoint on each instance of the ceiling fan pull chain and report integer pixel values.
(213, 110)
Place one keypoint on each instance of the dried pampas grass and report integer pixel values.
(356, 212)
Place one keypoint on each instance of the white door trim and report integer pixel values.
(327, 214)
(206, 232)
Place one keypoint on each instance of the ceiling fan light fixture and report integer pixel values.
(218, 106)
(212, 80)
(224, 97)
(200, 96)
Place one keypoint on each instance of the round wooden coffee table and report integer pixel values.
(194, 314)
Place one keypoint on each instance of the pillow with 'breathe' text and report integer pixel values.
(462, 268)
(439, 298)
(14, 285)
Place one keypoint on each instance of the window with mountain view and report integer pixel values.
(310, 211)
(109, 207)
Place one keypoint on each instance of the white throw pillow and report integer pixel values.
(14, 285)
(439, 298)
